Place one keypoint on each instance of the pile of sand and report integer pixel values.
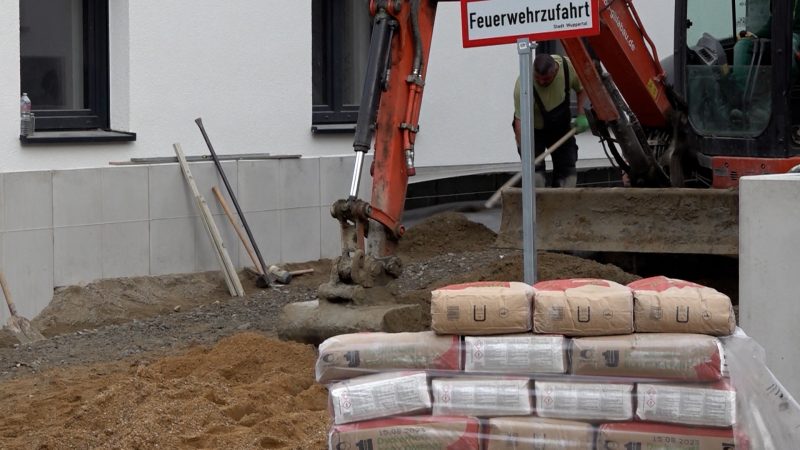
(248, 391)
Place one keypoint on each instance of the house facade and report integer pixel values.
(112, 80)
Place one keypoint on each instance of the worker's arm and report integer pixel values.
(581, 123)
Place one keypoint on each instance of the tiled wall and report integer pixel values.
(68, 227)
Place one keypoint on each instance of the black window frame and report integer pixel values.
(96, 78)
(334, 111)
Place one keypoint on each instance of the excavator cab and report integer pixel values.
(737, 70)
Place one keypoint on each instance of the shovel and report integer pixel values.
(513, 180)
(20, 326)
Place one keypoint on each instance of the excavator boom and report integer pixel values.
(389, 110)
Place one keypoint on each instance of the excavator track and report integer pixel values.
(637, 220)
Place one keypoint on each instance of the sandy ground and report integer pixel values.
(174, 362)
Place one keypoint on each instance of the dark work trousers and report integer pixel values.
(557, 123)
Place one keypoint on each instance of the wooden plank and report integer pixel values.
(228, 269)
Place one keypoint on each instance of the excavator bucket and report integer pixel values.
(637, 220)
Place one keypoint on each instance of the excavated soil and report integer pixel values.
(174, 362)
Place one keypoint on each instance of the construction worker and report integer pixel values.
(554, 76)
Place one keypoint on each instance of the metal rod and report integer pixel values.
(263, 278)
(356, 175)
(527, 51)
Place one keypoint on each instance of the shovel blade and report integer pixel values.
(23, 330)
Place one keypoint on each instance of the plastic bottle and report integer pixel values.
(25, 114)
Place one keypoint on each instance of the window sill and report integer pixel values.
(78, 136)
(333, 128)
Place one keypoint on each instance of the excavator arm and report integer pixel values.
(389, 113)
(632, 98)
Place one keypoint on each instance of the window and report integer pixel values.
(340, 46)
(729, 80)
(64, 62)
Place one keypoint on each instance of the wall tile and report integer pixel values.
(4, 314)
(266, 228)
(77, 254)
(206, 253)
(77, 196)
(207, 176)
(335, 176)
(125, 194)
(259, 185)
(2, 209)
(300, 234)
(169, 195)
(172, 246)
(299, 182)
(28, 267)
(126, 249)
(330, 240)
(28, 200)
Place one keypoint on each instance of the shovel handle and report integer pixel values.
(513, 180)
(301, 272)
(229, 214)
(11, 306)
(555, 146)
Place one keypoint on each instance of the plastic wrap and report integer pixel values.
(766, 414)
(351, 355)
(527, 391)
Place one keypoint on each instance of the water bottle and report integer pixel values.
(25, 115)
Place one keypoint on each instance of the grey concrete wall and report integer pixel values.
(69, 227)
(769, 293)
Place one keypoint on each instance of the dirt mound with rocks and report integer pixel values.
(119, 300)
(448, 232)
(175, 362)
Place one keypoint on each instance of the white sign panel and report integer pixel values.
(492, 22)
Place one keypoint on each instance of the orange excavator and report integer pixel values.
(722, 109)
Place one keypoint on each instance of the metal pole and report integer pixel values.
(527, 51)
(263, 280)
(356, 175)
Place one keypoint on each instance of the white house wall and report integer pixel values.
(245, 67)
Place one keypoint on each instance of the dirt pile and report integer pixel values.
(120, 300)
(248, 391)
(448, 232)
(175, 362)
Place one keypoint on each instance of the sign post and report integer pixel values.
(495, 22)
(527, 51)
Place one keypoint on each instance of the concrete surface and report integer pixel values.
(671, 220)
(769, 303)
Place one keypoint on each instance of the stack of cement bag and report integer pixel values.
(567, 364)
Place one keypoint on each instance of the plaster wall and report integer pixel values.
(245, 68)
(769, 242)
